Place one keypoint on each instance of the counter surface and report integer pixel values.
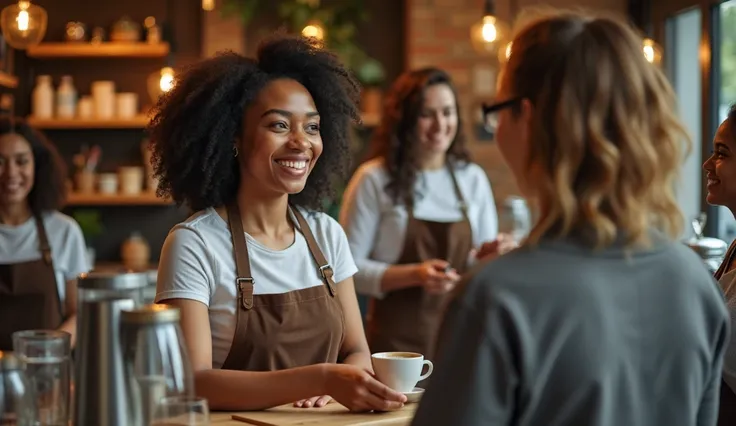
(333, 414)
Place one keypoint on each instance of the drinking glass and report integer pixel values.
(45, 357)
(182, 411)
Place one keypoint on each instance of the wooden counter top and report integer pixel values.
(333, 414)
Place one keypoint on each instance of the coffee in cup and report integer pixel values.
(400, 371)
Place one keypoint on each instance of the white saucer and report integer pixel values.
(414, 396)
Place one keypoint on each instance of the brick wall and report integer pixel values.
(438, 34)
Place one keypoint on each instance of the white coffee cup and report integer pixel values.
(400, 371)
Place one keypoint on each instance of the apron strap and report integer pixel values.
(45, 247)
(244, 281)
(324, 267)
(43, 241)
(458, 192)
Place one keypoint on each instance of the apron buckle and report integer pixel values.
(246, 291)
(327, 273)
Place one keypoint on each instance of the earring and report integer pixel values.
(235, 151)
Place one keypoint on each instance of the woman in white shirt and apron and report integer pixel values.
(42, 251)
(262, 277)
(417, 214)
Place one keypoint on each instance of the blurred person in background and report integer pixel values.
(720, 170)
(602, 317)
(417, 213)
(42, 251)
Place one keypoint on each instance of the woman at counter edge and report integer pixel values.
(418, 213)
(42, 251)
(262, 278)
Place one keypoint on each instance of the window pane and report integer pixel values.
(726, 44)
(682, 45)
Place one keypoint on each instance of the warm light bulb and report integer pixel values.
(488, 30)
(208, 5)
(505, 53)
(489, 35)
(167, 79)
(23, 17)
(314, 30)
(23, 24)
(652, 52)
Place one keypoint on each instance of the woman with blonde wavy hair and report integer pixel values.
(601, 317)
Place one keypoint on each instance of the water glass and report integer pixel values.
(182, 411)
(45, 357)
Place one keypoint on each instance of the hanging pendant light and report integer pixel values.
(23, 24)
(490, 33)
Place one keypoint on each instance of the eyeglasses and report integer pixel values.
(490, 113)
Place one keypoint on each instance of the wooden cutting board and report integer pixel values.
(333, 414)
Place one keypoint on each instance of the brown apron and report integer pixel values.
(408, 319)
(280, 331)
(727, 407)
(29, 296)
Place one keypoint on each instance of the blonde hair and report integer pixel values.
(605, 136)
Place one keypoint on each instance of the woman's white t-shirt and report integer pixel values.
(68, 249)
(197, 263)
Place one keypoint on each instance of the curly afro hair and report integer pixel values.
(395, 140)
(49, 174)
(195, 124)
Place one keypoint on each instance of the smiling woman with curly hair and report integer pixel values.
(263, 280)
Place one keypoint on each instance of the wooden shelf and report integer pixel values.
(138, 122)
(98, 50)
(9, 81)
(94, 199)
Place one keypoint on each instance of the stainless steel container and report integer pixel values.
(156, 362)
(99, 380)
(711, 250)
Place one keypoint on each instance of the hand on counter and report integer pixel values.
(436, 276)
(503, 243)
(315, 401)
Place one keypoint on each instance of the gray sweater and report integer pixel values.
(561, 335)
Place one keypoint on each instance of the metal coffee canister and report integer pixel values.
(99, 380)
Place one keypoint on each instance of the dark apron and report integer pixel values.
(280, 331)
(408, 319)
(29, 296)
(727, 407)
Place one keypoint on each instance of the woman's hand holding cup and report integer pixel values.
(358, 390)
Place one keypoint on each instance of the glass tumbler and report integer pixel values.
(45, 357)
(182, 411)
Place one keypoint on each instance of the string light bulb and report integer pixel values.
(208, 5)
(160, 82)
(490, 33)
(23, 24)
(316, 30)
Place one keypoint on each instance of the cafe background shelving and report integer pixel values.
(137, 122)
(97, 199)
(99, 50)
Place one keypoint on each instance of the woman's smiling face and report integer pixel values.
(720, 167)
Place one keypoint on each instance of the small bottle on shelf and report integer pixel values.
(43, 98)
(66, 98)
